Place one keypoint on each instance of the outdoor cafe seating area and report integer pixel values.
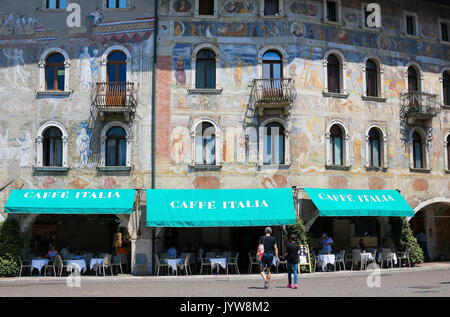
(86, 264)
(357, 259)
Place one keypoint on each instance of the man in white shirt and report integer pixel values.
(327, 242)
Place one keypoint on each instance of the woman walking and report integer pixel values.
(291, 256)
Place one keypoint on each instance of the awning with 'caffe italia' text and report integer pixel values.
(71, 201)
(220, 207)
(355, 202)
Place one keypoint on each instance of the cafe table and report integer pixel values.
(95, 262)
(38, 264)
(366, 256)
(173, 263)
(393, 255)
(216, 262)
(327, 259)
(80, 264)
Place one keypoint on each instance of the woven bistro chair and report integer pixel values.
(403, 256)
(185, 265)
(357, 259)
(24, 265)
(386, 256)
(233, 262)
(107, 263)
(340, 259)
(252, 262)
(205, 263)
(160, 265)
(57, 263)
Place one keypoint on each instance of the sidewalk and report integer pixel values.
(230, 277)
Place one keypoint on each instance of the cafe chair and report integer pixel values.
(386, 256)
(57, 263)
(252, 262)
(357, 259)
(403, 256)
(185, 265)
(160, 265)
(107, 263)
(23, 265)
(348, 257)
(205, 263)
(116, 261)
(317, 260)
(232, 262)
(63, 265)
(340, 259)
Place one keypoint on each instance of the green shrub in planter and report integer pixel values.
(404, 239)
(11, 246)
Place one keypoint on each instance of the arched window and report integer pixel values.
(371, 78)
(116, 147)
(52, 147)
(205, 65)
(374, 148)
(448, 151)
(272, 65)
(417, 147)
(446, 87)
(336, 145)
(333, 74)
(205, 144)
(274, 144)
(55, 72)
(116, 71)
(413, 80)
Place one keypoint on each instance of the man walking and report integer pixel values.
(269, 244)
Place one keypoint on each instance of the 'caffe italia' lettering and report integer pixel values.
(66, 194)
(234, 204)
(358, 198)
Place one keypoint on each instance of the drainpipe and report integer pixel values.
(153, 128)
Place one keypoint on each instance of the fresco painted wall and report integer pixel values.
(239, 34)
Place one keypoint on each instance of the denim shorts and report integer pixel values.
(266, 260)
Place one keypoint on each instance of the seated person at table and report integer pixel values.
(65, 252)
(52, 253)
(361, 245)
(327, 242)
(172, 252)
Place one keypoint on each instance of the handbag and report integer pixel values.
(260, 252)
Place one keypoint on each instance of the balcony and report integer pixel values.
(419, 106)
(273, 93)
(115, 97)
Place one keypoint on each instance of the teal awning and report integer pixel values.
(219, 207)
(92, 201)
(355, 202)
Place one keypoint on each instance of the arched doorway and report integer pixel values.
(431, 222)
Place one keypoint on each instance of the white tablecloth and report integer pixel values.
(80, 264)
(394, 257)
(366, 256)
(95, 261)
(326, 259)
(215, 262)
(38, 264)
(173, 263)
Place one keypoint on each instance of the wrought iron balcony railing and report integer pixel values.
(274, 91)
(419, 105)
(115, 95)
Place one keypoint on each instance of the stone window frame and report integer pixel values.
(280, 8)
(218, 142)
(416, 24)
(446, 21)
(196, 50)
(380, 79)
(197, 9)
(338, 12)
(441, 86)
(425, 151)
(261, 134)
(40, 145)
(275, 48)
(42, 63)
(127, 8)
(342, 74)
(103, 138)
(446, 157)
(44, 7)
(345, 143)
(104, 61)
(383, 146)
(419, 73)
